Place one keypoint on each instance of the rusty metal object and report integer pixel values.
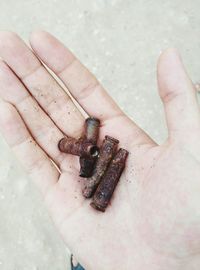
(91, 135)
(109, 181)
(92, 129)
(87, 166)
(78, 147)
(107, 151)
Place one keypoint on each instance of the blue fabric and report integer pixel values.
(78, 267)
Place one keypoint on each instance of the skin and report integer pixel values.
(153, 221)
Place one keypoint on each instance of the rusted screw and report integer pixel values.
(91, 135)
(109, 181)
(78, 147)
(107, 150)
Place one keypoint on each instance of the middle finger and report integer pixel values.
(48, 93)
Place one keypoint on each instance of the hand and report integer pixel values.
(154, 218)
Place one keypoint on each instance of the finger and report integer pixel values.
(81, 83)
(35, 161)
(197, 86)
(49, 94)
(178, 94)
(86, 89)
(39, 124)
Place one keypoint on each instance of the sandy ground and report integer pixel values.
(120, 41)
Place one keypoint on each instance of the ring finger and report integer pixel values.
(39, 124)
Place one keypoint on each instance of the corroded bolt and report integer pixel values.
(78, 147)
(91, 134)
(107, 151)
(109, 181)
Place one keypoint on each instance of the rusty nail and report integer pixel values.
(109, 182)
(107, 150)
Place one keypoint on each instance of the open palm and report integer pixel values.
(154, 218)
